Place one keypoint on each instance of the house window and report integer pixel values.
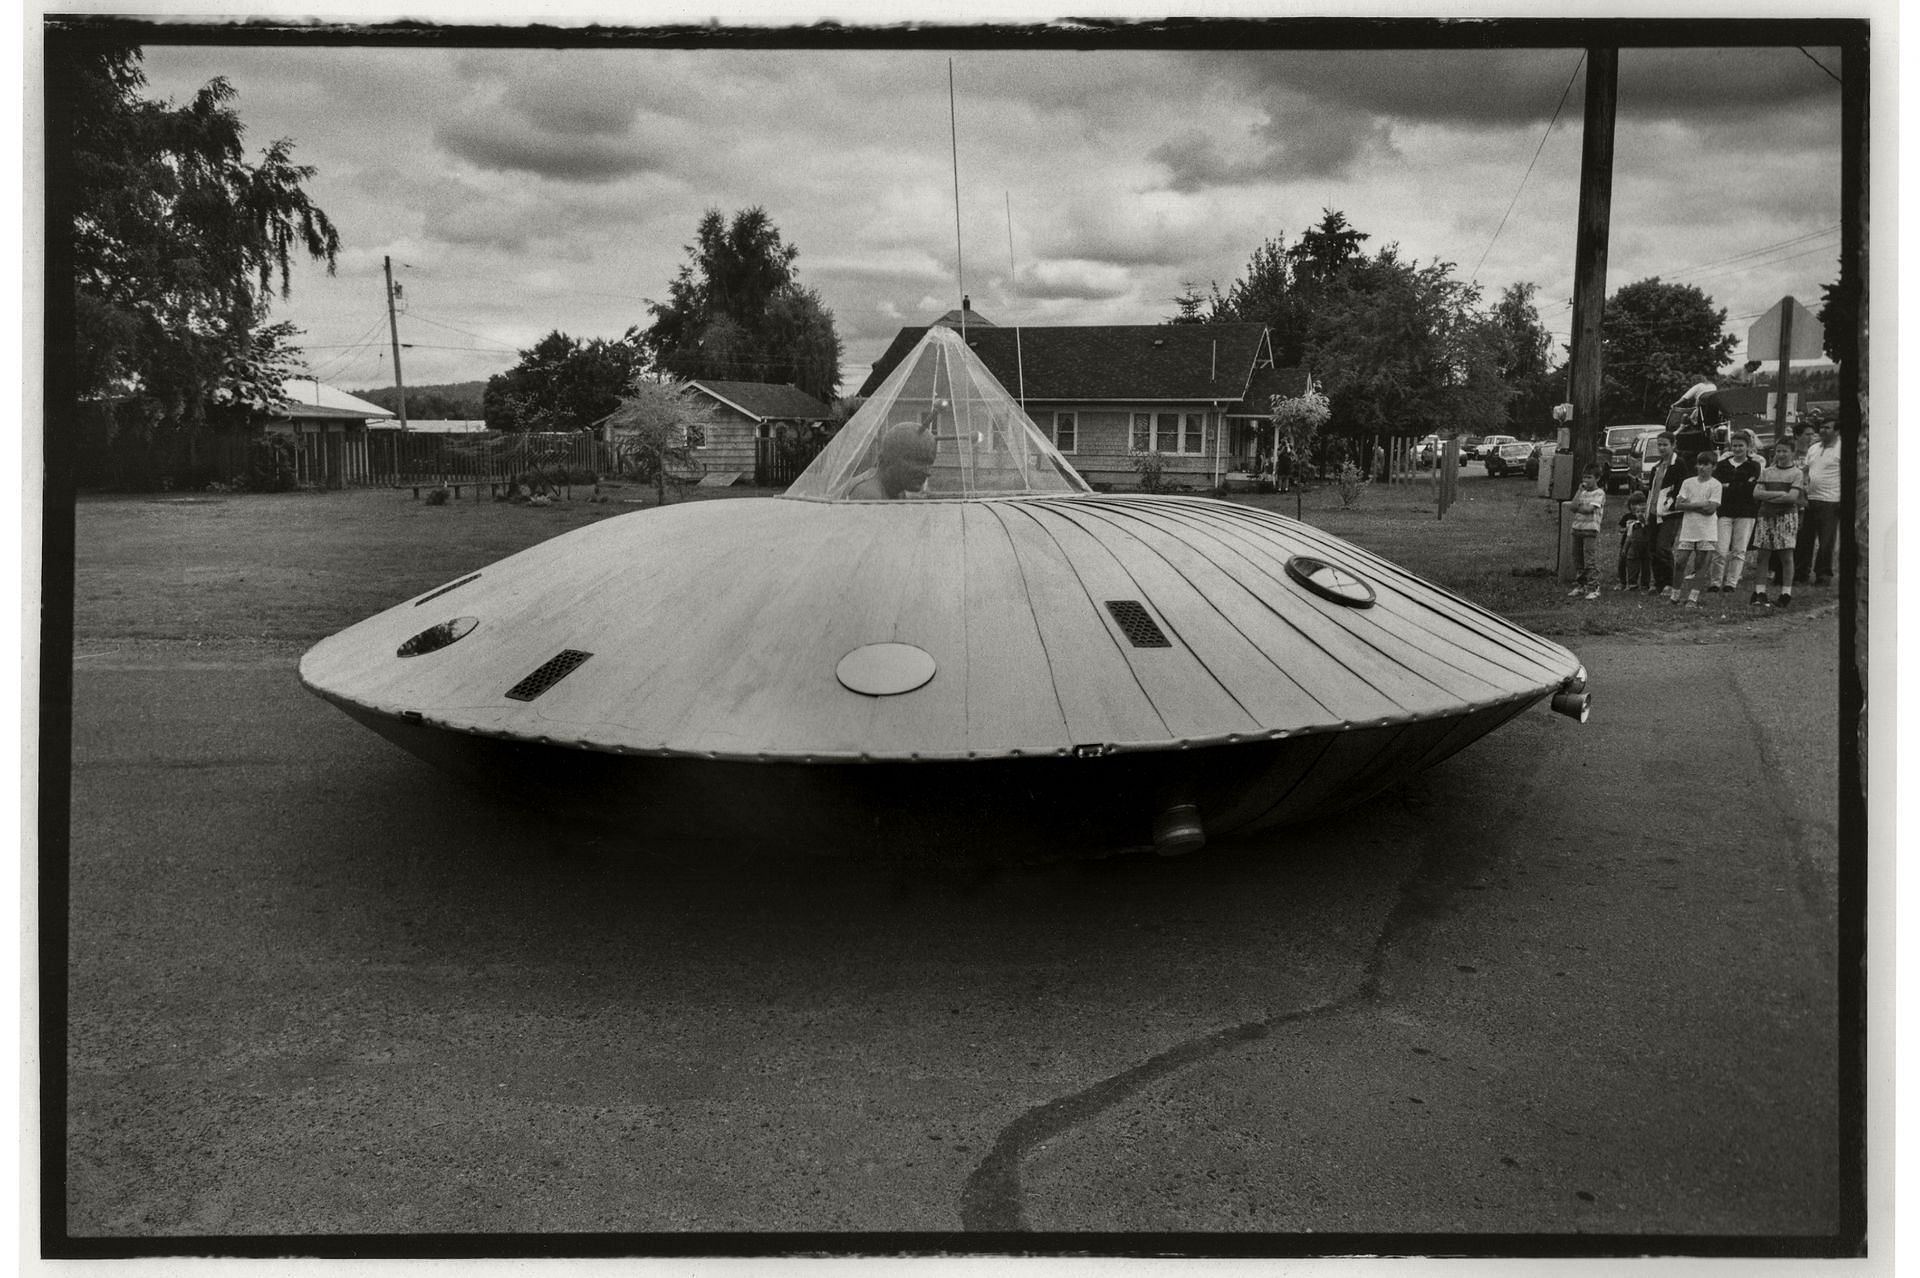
(1066, 435)
(1177, 433)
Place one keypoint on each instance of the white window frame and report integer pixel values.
(1072, 415)
(1164, 425)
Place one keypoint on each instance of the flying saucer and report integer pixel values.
(939, 637)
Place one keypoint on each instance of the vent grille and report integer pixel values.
(454, 585)
(1137, 623)
(556, 669)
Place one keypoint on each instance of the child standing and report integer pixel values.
(1588, 505)
(1699, 536)
(1738, 473)
(1777, 528)
(1632, 567)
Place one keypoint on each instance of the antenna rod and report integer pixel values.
(959, 266)
(1019, 360)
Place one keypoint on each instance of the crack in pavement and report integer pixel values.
(990, 1201)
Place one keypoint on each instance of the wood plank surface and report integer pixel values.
(1012, 702)
(1275, 620)
(1210, 615)
(716, 627)
(1425, 671)
(1099, 695)
(1184, 692)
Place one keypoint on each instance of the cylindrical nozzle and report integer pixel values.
(1178, 830)
(1575, 705)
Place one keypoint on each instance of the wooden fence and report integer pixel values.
(778, 462)
(403, 459)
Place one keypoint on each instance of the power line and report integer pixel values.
(522, 284)
(505, 350)
(1741, 259)
(1530, 163)
(1768, 248)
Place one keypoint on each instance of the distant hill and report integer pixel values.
(458, 401)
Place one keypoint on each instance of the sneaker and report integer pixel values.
(1593, 594)
(1574, 593)
(1786, 601)
(1757, 600)
(1691, 603)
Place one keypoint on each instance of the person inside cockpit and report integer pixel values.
(906, 459)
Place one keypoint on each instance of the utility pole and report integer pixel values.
(1786, 365)
(1590, 251)
(393, 329)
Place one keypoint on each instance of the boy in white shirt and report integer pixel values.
(1697, 502)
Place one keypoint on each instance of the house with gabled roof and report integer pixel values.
(1193, 393)
(754, 421)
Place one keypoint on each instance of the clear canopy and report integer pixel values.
(940, 426)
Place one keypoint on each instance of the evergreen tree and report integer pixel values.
(734, 311)
(1189, 303)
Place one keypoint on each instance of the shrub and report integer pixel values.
(1152, 469)
(1349, 485)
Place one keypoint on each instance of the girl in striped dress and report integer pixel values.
(1781, 488)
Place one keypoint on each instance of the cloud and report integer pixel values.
(1080, 280)
(513, 142)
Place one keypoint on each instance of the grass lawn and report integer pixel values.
(296, 567)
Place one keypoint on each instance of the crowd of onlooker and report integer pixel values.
(1705, 521)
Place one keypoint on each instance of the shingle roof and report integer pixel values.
(765, 400)
(1268, 382)
(1133, 362)
(974, 319)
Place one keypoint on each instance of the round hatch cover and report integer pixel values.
(1330, 581)
(885, 669)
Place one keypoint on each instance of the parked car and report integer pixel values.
(1488, 444)
(1537, 458)
(1508, 459)
(1641, 455)
(1616, 456)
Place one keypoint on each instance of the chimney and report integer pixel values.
(966, 303)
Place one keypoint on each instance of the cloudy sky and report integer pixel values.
(523, 190)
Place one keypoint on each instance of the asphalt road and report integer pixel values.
(1576, 979)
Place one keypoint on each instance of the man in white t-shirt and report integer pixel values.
(1699, 537)
(1820, 520)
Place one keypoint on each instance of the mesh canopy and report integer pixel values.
(940, 426)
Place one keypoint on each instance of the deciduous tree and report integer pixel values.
(1657, 338)
(1401, 349)
(562, 383)
(179, 243)
(656, 427)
